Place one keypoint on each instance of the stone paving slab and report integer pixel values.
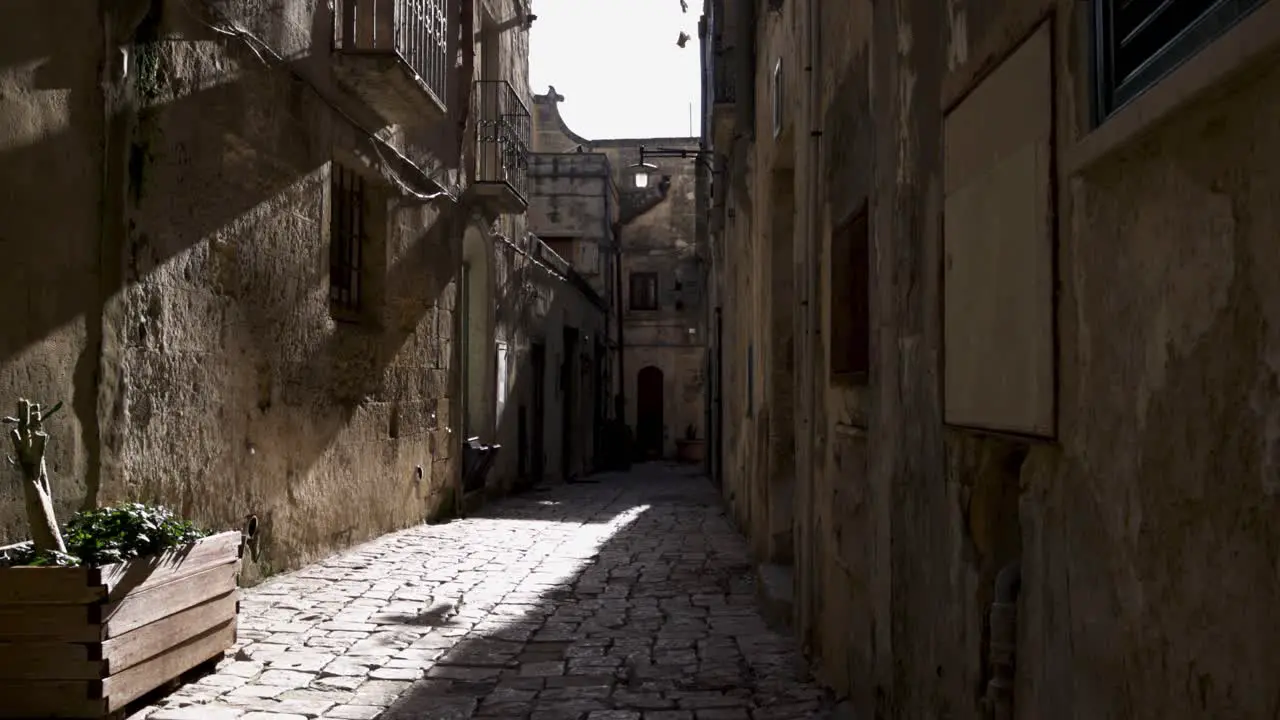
(626, 599)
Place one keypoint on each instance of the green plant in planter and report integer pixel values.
(94, 537)
(113, 534)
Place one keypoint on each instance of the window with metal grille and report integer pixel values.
(347, 237)
(1138, 42)
(850, 299)
(644, 291)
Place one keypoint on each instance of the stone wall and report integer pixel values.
(659, 237)
(197, 345)
(574, 208)
(656, 226)
(573, 197)
(536, 302)
(51, 156)
(1133, 488)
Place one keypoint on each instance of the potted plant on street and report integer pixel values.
(118, 602)
(690, 448)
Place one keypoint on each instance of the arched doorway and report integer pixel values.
(477, 332)
(649, 421)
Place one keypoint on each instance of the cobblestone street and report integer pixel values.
(627, 598)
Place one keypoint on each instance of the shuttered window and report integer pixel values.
(644, 291)
(1138, 42)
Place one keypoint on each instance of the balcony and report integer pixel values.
(503, 128)
(394, 54)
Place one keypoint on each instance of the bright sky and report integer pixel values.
(617, 65)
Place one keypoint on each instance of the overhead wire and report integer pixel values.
(260, 49)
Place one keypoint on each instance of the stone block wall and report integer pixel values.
(536, 302)
(1146, 572)
(50, 262)
(192, 335)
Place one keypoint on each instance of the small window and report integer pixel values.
(850, 299)
(644, 291)
(348, 236)
(1137, 44)
(357, 234)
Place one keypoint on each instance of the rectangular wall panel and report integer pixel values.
(998, 260)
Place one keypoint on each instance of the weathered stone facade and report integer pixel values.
(663, 343)
(172, 172)
(1070, 374)
(552, 381)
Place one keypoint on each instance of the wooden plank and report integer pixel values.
(123, 688)
(384, 31)
(363, 34)
(133, 647)
(51, 699)
(48, 623)
(143, 573)
(158, 602)
(50, 661)
(70, 586)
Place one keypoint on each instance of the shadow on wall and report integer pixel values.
(76, 249)
(50, 183)
(394, 375)
(195, 159)
(208, 261)
(539, 307)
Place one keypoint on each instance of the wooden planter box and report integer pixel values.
(85, 642)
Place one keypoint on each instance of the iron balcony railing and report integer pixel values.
(415, 31)
(503, 130)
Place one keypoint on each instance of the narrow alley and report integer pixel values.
(640, 359)
(624, 598)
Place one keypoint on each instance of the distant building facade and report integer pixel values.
(636, 240)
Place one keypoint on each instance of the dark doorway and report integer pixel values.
(569, 393)
(537, 441)
(649, 392)
(522, 445)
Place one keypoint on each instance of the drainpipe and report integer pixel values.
(998, 703)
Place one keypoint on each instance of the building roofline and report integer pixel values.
(553, 98)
